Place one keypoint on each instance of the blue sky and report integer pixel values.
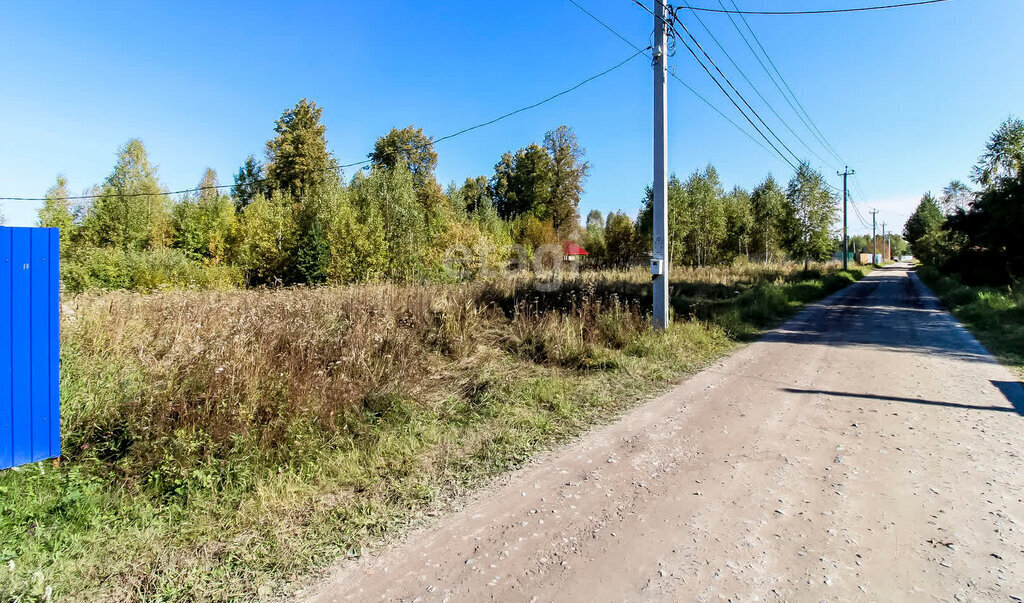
(907, 97)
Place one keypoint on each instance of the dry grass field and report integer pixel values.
(222, 445)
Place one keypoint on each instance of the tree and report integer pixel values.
(811, 211)
(621, 240)
(768, 208)
(132, 210)
(568, 172)
(396, 221)
(248, 182)
(297, 158)
(264, 233)
(927, 219)
(56, 210)
(923, 231)
(522, 183)
(474, 193)
(204, 223)
(1004, 154)
(408, 148)
(739, 221)
(705, 198)
(955, 197)
(594, 237)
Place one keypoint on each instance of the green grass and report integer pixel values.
(994, 315)
(223, 446)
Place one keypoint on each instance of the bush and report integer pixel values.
(764, 304)
(108, 269)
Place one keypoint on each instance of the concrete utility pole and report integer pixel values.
(659, 258)
(846, 239)
(884, 255)
(874, 242)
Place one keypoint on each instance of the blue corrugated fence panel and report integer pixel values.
(53, 270)
(29, 345)
(39, 346)
(22, 407)
(6, 400)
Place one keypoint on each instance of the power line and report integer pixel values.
(817, 12)
(673, 75)
(860, 216)
(366, 161)
(755, 89)
(801, 112)
(733, 101)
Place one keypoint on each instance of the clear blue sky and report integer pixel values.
(906, 96)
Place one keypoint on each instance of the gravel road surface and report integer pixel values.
(869, 449)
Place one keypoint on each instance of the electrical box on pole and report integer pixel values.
(659, 258)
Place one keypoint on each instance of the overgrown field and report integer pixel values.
(994, 314)
(223, 445)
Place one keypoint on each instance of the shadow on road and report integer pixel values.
(889, 311)
(1010, 386)
(1014, 392)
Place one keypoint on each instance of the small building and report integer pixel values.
(572, 252)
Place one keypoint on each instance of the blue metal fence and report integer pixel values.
(29, 345)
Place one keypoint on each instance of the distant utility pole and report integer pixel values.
(659, 258)
(884, 254)
(846, 239)
(874, 241)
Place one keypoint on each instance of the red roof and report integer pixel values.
(570, 248)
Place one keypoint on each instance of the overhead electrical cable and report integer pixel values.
(756, 90)
(366, 161)
(790, 98)
(674, 76)
(823, 11)
(731, 99)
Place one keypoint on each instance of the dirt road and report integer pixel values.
(867, 450)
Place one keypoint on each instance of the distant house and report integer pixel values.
(572, 252)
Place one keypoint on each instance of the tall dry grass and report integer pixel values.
(228, 441)
(156, 382)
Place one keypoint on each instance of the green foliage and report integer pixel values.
(264, 232)
(204, 224)
(923, 230)
(622, 243)
(522, 183)
(109, 268)
(248, 182)
(1004, 154)
(978, 233)
(408, 149)
(768, 208)
(56, 210)
(297, 158)
(810, 212)
(994, 314)
(568, 173)
(739, 222)
(132, 212)
(294, 221)
(697, 219)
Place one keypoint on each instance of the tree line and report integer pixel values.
(975, 231)
(292, 216)
(709, 225)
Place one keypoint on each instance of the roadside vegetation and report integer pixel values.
(223, 444)
(994, 314)
(970, 241)
(294, 217)
(262, 377)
